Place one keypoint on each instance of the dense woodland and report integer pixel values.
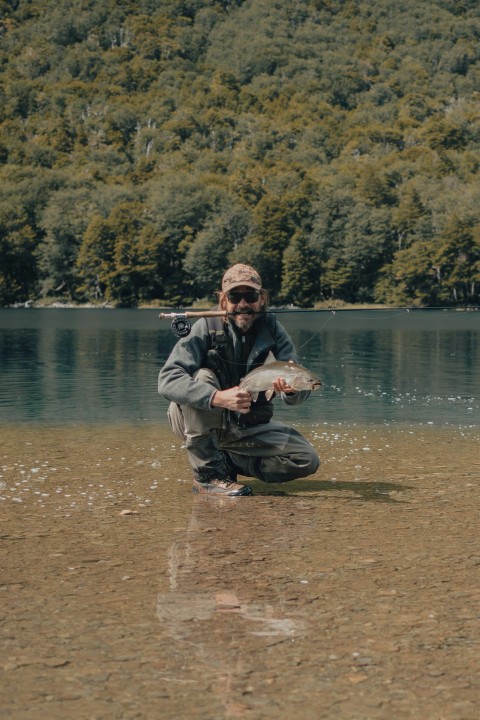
(147, 144)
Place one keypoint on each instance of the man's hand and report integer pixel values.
(280, 385)
(233, 399)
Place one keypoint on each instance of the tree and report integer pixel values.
(180, 206)
(64, 222)
(301, 272)
(457, 262)
(18, 275)
(353, 124)
(276, 220)
(126, 275)
(411, 278)
(214, 246)
(95, 260)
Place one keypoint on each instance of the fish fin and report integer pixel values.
(254, 396)
(269, 393)
(270, 358)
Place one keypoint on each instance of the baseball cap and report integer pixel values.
(240, 274)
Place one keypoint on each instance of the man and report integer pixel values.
(224, 431)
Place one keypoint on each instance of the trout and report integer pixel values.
(261, 379)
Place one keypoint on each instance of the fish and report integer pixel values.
(261, 378)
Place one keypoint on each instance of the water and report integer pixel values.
(83, 366)
(126, 595)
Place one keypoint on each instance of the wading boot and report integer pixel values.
(221, 486)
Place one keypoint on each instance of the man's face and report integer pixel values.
(245, 304)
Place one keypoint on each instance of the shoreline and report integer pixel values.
(319, 307)
(35, 304)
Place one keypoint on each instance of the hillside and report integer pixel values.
(334, 144)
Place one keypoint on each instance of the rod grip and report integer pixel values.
(193, 314)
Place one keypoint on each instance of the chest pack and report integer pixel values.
(220, 355)
(220, 359)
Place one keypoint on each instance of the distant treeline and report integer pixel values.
(333, 144)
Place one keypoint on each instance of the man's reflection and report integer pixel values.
(220, 609)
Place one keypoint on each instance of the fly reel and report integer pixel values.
(181, 326)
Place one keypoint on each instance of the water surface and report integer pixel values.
(350, 594)
(100, 366)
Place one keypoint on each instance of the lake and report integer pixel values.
(100, 366)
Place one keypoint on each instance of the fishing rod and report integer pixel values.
(181, 325)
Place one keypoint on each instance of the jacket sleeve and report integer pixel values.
(175, 380)
(285, 350)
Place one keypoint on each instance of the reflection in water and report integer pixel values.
(69, 370)
(389, 368)
(187, 555)
(213, 606)
(243, 588)
(83, 366)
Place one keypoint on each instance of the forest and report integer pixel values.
(147, 144)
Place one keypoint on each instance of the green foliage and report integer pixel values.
(17, 244)
(63, 222)
(457, 261)
(116, 260)
(214, 246)
(301, 272)
(334, 145)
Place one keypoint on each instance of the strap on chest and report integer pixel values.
(216, 330)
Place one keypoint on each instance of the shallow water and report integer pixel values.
(350, 595)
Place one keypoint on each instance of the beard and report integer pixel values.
(244, 319)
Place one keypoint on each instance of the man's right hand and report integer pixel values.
(233, 399)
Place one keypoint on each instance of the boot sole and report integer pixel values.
(244, 492)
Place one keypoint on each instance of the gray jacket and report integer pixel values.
(175, 380)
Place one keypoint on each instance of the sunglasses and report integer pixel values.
(250, 296)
